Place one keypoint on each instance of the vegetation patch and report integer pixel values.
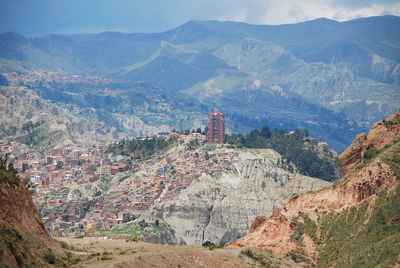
(261, 257)
(210, 245)
(8, 174)
(105, 258)
(304, 225)
(355, 238)
(298, 255)
(390, 154)
(41, 137)
(69, 259)
(391, 123)
(392, 158)
(371, 153)
(135, 230)
(143, 148)
(50, 257)
(292, 146)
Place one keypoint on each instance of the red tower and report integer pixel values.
(216, 127)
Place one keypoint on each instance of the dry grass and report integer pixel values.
(122, 253)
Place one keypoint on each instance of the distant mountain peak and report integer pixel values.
(375, 18)
(322, 20)
(12, 36)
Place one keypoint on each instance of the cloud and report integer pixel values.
(283, 11)
(292, 11)
(363, 3)
(69, 16)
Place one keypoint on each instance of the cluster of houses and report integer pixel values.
(63, 165)
(56, 174)
(34, 76)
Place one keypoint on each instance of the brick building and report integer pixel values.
(216, 127)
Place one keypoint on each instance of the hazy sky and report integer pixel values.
(38, 17)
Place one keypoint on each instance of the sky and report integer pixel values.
(39, 17)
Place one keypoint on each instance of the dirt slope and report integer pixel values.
(24, 241)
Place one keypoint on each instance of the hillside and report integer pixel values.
(133, 108)
(231, 187)
(354, 222)
(27, 118)
(24, 241)
(337, 81)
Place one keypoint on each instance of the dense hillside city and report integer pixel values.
(211, 144)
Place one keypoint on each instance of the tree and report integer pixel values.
(300, 133)
(205, 132)
(208, 244)
(59, 165)
(254, 133)
(265, 132)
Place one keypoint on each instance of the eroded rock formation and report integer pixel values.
(219, 209)
(383, 132)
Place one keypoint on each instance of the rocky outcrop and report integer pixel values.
(354, 155)
(384, 132)
(275, 232)
(219, 209)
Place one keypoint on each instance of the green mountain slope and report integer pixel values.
(350, 69)
(174, 68)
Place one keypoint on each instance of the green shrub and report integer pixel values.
(50, 257)
(392, 158)
(106, 258)
(208, 244)
(308, 226)
(370, 153)
(255, 256)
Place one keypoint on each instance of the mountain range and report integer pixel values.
(334, 78)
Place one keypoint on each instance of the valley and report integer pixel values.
(212, 144)
(90, 191)
(316, 226)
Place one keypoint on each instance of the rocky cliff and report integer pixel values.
(24, 241)
(355, 223)
(219, 209)
(383, 132)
